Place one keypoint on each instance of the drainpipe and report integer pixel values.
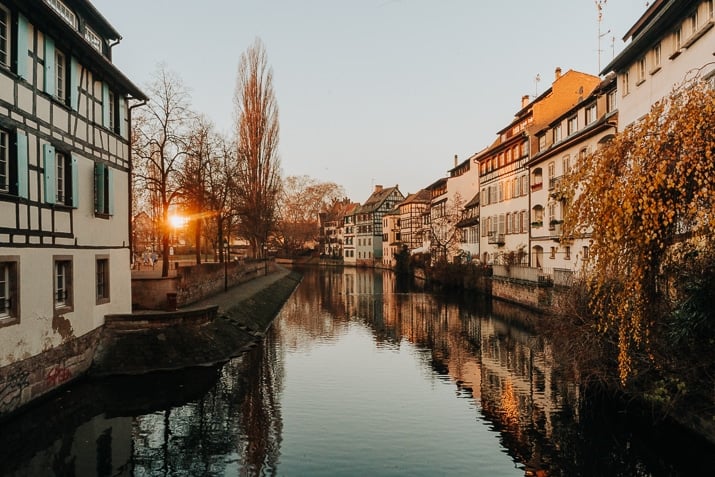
(129, 181)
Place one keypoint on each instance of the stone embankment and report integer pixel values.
(209, 332)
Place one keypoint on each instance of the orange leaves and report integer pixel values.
(652, 186)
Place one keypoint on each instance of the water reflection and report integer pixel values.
(499, 403)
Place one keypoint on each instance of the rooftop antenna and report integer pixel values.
(599, 6)
(536, 85)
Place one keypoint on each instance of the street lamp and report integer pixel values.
(225, 265)
(265, 258)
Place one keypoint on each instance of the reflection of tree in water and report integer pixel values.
(260, 419)
(239, 417)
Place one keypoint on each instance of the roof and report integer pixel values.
(377, 198)
(656, 22)
(40, 13)
(422, 196)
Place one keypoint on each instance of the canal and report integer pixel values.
(359, 375)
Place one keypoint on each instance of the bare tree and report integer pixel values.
(258, 173)
(445, 236)
(160, 147)
(302, 199)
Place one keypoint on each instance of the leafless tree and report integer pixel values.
(160, 147)
(302, 199)
(258, 179)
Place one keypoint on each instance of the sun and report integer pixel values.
(177, 221)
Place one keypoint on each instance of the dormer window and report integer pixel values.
(63, 11)
(92, 38)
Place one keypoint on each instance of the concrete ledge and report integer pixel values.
(157, 319)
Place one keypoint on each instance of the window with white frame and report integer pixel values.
(590, 113)
(677, 41)
(4, 160)
(60, 76)
(625, 80)
(655, 55)
(572, 125)
(611, 101)
(4, 36)
(9, 291)
(566, 164)
(557, 133)
(102, 279)
(641, 70)
(63, 293)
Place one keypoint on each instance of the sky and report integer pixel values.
(371, 91)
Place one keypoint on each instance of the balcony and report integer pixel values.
(495, 238)
(537, 186)
(553, 182)
(555, 231)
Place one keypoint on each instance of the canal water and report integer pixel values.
(360, 375)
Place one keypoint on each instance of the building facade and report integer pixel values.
(671, 43)
(368, 223)
(64, 191)
(589, 124)
(503, 167)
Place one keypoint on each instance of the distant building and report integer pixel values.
(64, 191)
(368, 224)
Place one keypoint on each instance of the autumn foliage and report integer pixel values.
(645, 198)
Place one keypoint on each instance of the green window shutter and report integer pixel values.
(110, 191)
(49, 66)
(122, 116)
(22, 169)
(48, 156)
(74, 84)
(99, 172)
(23, 71)
(75, 184)
(105, 105)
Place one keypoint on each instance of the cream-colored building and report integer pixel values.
(503, 172)
(590, 123)
(671, 43)
(64, 191)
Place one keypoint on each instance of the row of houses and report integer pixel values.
(500, 205)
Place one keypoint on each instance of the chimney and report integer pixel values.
(557, 73)
(524, 100)
(456, 157)
(378, 188)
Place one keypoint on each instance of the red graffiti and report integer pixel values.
(58, 375)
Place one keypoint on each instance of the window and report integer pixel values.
(624, 83)
(103, 190)
(640, 78)
(611, 101)
(584, 252)
(63, 284)
(567, 253)
(92, 38)
(542, 142)
(4, 36)
(60, 177)
(9, 297)
(557, 133)
(63, 11)
(655, 58)
(572, 125)
(677, 42)
(591, 113)
(566, 164)
(4, 161)
(102, 279)
(60, 76)
(525, 148)
(553, 252)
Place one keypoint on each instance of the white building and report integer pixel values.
(672, 42)
(590, 123)
(64, 191)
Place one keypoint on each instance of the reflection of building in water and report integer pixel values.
(508, 370)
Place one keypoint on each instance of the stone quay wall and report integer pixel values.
(38, 376)
(193, 283)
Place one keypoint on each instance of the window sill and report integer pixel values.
(675, 54)
(62, 310)
(9, 320)
(99, 215)
(102, 301)
(700, 32)
(640, 82)
(654, 70)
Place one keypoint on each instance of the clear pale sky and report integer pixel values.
(371, 91)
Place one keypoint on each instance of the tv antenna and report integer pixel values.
(599, 6)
